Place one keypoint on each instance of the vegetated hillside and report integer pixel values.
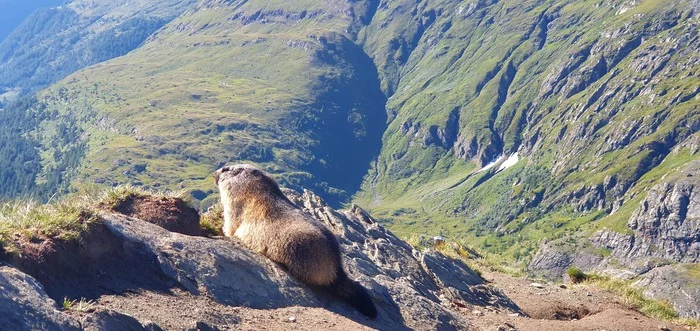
(20, 159)
(580, 103)
(278, 84)
(13, 12)
(55, 42)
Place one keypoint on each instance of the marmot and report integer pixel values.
(260, 215)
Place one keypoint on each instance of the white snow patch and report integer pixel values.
(491, 164)
(511, 161)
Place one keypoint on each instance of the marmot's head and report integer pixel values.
(244, 181)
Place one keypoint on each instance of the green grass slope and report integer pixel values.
(593, 96)
(279, 84)
(55, 42)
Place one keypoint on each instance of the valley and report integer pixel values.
(545, 134)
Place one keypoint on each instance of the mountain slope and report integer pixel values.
(281, 85)
(55, 42)
(590, 97)
(13, 12)
(508, 121)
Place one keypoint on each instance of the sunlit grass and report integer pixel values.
(65, 219)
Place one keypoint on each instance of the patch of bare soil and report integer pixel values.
(181, 310)
(556, 307)
(172, 214)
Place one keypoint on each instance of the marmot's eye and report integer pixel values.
(237, 171)
(256, 172)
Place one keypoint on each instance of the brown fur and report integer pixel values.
(260, 215)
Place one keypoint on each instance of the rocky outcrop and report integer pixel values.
(24, 305)
(666, 224)
(664, 230)
(679, 284)
(412, 289)
(109, 320)
(553, 258)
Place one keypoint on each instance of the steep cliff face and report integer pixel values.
(668, 221)
(666, 225)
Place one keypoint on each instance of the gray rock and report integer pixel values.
(108, 320)
(151, 326)
(203, 326)
(222, 269)
(550, 262)
(677, 284)
(553, 259)
(462, 284)
(405, 284)
(666, 224)
(24, 305)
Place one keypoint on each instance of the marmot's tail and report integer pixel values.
(354, 294)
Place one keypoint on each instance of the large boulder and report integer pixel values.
(24, 305)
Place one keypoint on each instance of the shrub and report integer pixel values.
(212, 221)
(576, 275)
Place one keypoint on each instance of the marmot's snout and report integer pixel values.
(232, 171)
(218, 173)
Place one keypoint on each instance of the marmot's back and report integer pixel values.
(308, 249)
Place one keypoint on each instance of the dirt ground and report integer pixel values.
(549, 307)
(158, 308)
(553, 307)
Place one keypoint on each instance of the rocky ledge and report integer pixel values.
(660, 251)
(122, 259)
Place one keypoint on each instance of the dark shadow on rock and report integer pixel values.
(239, 292)
(99, 264)
(387, 309)
(111, 320)
(24, 305)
